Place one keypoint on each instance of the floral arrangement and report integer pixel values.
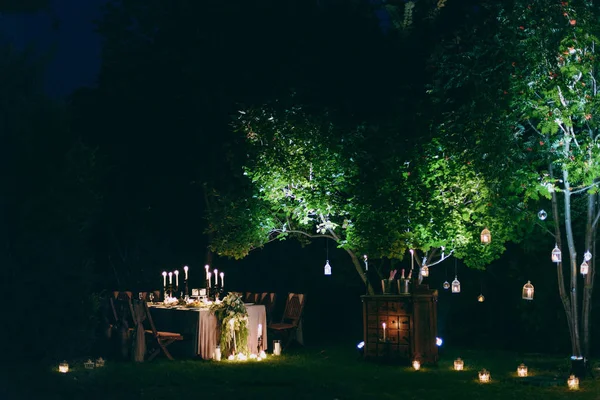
(233, 318)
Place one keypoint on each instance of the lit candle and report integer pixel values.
(216, 277)
(208, 278)
(164, 274)
(185, 269)
(259, 330)
(63, 367)
(176, 277)
(384, 326)
(217, 355)
(416, 365)
(222, 279)
(206, 269)
(170, 278)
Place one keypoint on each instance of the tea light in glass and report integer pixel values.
(459, 364)
(89, 364)
(416, 365)
(573, 382)
(63, 367)
(100, 362)
(217, 354)
(484, 376)
(277, 347)
(262, 354)
(522, 370)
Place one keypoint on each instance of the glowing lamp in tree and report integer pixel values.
(486, 236)
(459, 364)
(425, 271)
(522, 370)
(455, 285)
(481, 298)
(584, 268)
(587, 256)
(528, 291)
(416, 365)
(542, 215)
(556, 255)
(484, 376)
(446, 285)
(327, 268)
(573, 382)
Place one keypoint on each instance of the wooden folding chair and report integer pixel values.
(294, 306)
(251, 297)
(122, 312)
(162, 338)
(268, 300)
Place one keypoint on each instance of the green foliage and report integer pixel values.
(232, 315)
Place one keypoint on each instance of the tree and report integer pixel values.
(529, 100)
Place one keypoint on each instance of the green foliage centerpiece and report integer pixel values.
(232, 315)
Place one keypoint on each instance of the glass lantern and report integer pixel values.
(587, 256)
(481, 298)
(425, 271)
(455, 285)
(522, 370)
(573, 382)
(63, 367)
(459, 364)
(484, 376)
(217, 354)
(556, 255)
(542, 215)
(416, 365)
(446, 285)
(276, 347)
(486, 236)
(584, 268)
(89, 364)
(528, 291)
(100, 362)
(327, 268)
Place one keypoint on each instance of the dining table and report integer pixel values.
(200, 329)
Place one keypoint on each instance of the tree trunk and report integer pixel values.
(572, 260)
(361, 273)
(589, 278)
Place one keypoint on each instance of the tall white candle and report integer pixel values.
(164, 274)
(216, 277)
(208, 278)
(176, 277)
(170, 278)
(384, 326)
(185, 269)
(206, 269)
(222, 279)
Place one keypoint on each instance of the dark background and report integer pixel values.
(111, 130)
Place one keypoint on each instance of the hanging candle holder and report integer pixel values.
(556, 255)
(455, 285)
(528, 291)
(542, 215)
(584, 268)
(424, 271)
(327, 268)
(446, 285)
(587, 256)
(486, 236)
(481, 298)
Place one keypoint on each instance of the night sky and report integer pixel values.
(67, 31)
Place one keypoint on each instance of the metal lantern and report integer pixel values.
(327, 268)
(455, 285)
(556, 255)
(100, 362)
(425, 271)
(486, 236)
(63, 367)
(542, 215)
(573, 382)
(481, 298)
(587, 256)
(584, 268)
(89, 364)
(522, 370)
(484, 376)
(528, 291)
(446, 285)
(459, 364)
(416, 365)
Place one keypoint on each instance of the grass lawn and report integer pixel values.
(333, 372)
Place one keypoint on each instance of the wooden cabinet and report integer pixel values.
(411, 326)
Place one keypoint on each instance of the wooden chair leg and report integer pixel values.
(164, 345)
(153, 354)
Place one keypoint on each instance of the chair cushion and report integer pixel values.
(281, 326)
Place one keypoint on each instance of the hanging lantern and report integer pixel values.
(481, 298)
(584, 268)
(459, 364)
(327, 268)
(573, 382)
(542, 215)
(528, 291)
(486, 236)
(446, 285)
(484, 376)
(63, 367)
(522, 370)
(587, 256)
(416, 365)
(556, 255)
(455, 285)
(425, 271)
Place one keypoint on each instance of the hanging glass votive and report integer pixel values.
(327, 268)
(455, 285)
(587, 256)
(486, 236)
(556, 255)
(542, 215)
(481, 298)
(584, 268)
(528, 291)
(425, 271)
(446, 285)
